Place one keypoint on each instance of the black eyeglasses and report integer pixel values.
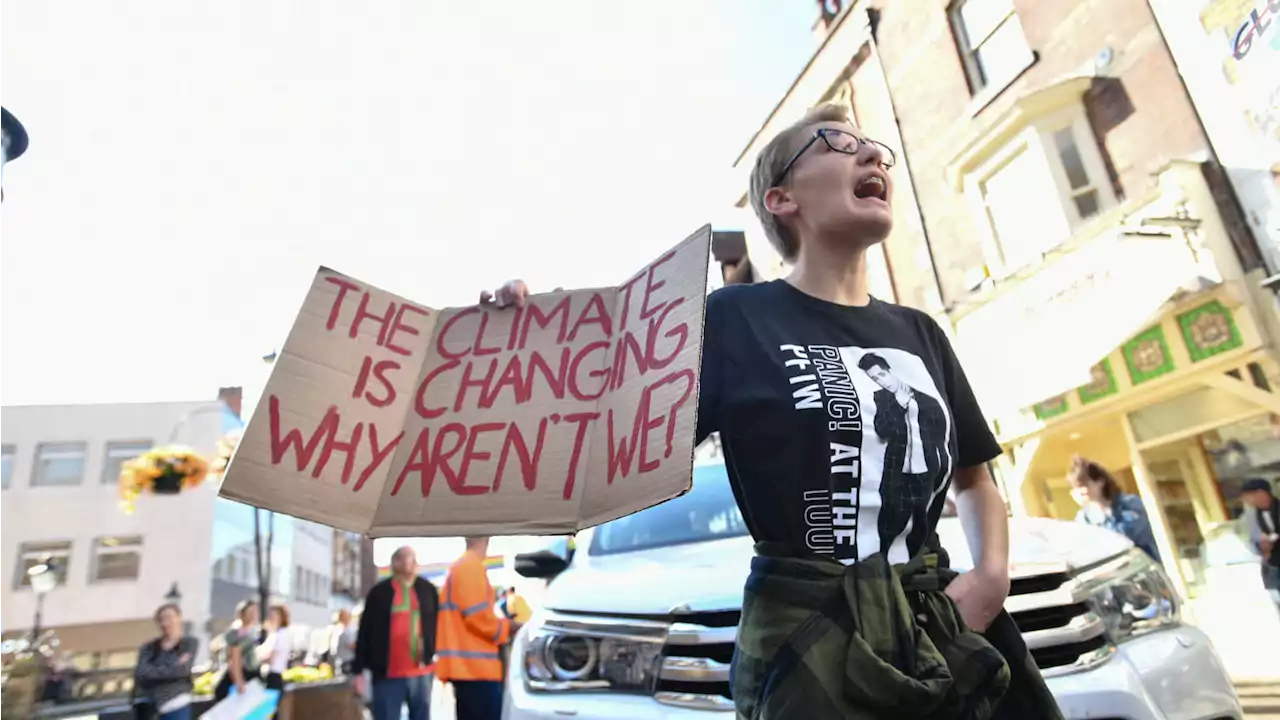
(841, 142)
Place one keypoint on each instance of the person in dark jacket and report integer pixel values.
(396, 641)
(1263, 517)
(163, 674)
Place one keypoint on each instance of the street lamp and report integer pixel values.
(44, 577)
(13, 141)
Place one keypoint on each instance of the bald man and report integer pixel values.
(396, 641)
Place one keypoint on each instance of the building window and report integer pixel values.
(1081, 188)
(7, 459)
(991, 42)
(57, 554)
(117, 558)
(1018, 198)
(1038, 189)
(59, 464)
(117, 454)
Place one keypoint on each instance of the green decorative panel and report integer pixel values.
(1102, 385)
(1052, 408)
(1147, 356)
(1209, 330)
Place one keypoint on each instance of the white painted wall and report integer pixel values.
(176, 530)
(312, 550)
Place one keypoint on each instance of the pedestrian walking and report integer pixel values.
(1104, 504)
(1263, 516)
(163, 675)
(472, 636)
(342, 642)
(396, 641)
(277, 650)
(837, 410)
(242, 651)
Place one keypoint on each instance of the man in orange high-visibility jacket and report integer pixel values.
(469, 636)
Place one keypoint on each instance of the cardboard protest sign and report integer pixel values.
(390, 418)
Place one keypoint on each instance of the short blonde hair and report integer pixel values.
(769, 164)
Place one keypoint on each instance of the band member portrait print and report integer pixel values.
(914, 427)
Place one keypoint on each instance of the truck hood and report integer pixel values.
(708, 576)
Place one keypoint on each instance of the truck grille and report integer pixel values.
(1062, 633)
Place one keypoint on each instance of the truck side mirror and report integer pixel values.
(547, 563)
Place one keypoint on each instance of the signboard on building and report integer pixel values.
(1228, 53)
(390, 418)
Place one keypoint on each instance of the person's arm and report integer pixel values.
(235, 666)
(364, 632)
(711, 376)
(267, 648)
(471, 592)
(1133, 522)
(155, 666)
(980, 593)
(985, 520)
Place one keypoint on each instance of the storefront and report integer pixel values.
(1143, 346)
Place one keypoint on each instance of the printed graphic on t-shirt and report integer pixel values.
(889, 433)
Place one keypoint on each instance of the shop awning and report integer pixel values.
(1040, 337)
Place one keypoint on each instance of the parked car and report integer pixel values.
(640, 620)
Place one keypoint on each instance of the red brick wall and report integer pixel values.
(1139, 110)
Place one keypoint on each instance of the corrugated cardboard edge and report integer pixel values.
(704, 231)
(275, 367)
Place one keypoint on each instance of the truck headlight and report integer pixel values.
(1134, 598)
(565, 655)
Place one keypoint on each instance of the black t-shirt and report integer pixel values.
(841, 426)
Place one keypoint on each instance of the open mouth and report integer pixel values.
(871, 187)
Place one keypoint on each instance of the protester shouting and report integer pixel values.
(163, 674)
(472, 635)
(844, 421)
(396, 641)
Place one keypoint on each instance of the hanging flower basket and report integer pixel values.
(227, 445)
(161, 471)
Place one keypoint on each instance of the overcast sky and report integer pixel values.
(191, 164)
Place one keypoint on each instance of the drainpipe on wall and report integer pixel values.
(873, 24)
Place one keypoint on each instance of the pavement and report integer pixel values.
(1261, 700)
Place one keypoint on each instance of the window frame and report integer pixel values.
(42, 551)
(981, 81)
(38, 465)
(111, 445)
(9, 452)
(1038, 137)
(98, 550)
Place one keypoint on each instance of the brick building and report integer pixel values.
(1060, 209)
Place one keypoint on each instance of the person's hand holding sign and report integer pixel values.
(513, 292)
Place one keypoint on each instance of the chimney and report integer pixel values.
(231, 397)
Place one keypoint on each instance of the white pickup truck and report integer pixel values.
(639, 621)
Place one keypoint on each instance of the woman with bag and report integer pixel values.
(163, 674)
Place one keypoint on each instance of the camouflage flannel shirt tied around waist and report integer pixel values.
(871, 641)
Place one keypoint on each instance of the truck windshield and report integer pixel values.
(707, 512)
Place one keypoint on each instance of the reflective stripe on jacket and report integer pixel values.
(469, 633)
